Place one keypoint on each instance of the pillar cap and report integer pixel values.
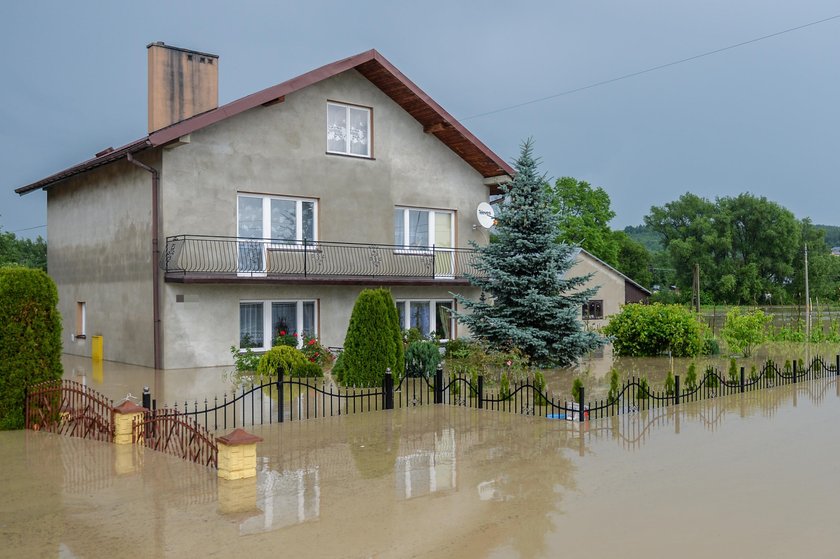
(238, 437)
(127, 406)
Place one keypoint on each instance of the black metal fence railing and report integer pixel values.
(243, 257)
(290, 399)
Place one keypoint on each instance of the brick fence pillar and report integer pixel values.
(238, 454)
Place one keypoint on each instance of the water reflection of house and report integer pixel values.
(228, 223)
(285, 499)
(428, 471)
(614, 288)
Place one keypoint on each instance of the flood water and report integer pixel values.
(751, 475)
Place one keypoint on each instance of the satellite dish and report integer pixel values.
(485, 214)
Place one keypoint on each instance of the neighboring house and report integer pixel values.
(835, 251)
(614, 288)
(227, 224)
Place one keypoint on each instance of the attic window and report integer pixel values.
(348, 130)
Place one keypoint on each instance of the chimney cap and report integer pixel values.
(188, 51)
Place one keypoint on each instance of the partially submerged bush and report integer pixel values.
(670, 384)
(282, 359)
(307, 369)
(691, 377)
(30, 338)
(649, 330)
(745, 330)
(374, 340)
(421, 359)
(612, 395)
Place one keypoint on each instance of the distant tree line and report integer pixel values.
(750, 250)
(24, 252)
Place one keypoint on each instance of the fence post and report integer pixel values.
(147, 398)
(480, 391)
(676, 389)
(794, 371)
(580, 405)
(280, 411)
(837, 365)
(439, 384)
(742, 380)
(388, 390)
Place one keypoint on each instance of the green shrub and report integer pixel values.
(374, 340)
(691, 377)
(670, 385)
(285, 337)
(281, 358)
(770, 370)
(648, 330)
(733, 371)
(307, 369)
(745, 330)
(459, 348)
(539, 381)
(753, 373)
(244, 361)
(612, 395)
(316, 353)
(711, 347)
(338, 369)
(711, 378)
(644, 389)
(30, 338)
(412, 335)
(421, 359)
(577, 386)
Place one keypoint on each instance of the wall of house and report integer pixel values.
(610, 286)
(99, 252)
(281, 150)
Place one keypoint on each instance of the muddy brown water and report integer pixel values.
(751, 475)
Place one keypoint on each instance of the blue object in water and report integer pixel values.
(556, 416)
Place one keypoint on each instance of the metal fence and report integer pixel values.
(244, 257)
(68, 408)
(292, 399)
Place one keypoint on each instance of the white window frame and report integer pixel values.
(81, 321)
(406, 247)
(265, 240)
(432, 316)
(268, 333)
(347, 107)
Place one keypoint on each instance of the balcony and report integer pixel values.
(209, 259)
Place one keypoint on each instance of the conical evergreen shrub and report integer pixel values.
(373, 342)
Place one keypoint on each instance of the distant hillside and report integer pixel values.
(832, 234)
(647, 237)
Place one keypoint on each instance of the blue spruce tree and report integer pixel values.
(527, 302)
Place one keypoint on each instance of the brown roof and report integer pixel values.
(370, 64)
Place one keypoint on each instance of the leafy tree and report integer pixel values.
(30, 338)
(823, 268)
(645, 235)
(534, 305)
(634, 260)
(584, 214)
(373, 342)
(649, 330)
(742, 331)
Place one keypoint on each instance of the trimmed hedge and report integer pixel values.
(373, 342)
(30, 338)
(283, 357)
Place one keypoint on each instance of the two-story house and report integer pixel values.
(227, 224)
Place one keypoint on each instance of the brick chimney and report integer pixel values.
(182, 83)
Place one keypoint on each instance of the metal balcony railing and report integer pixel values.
(238, 257)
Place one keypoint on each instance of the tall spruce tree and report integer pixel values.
(532, 305)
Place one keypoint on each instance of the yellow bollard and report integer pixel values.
(96, 348)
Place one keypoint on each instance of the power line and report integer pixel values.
(28, 228)
(651, 69)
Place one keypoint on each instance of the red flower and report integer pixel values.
(311, 342)
(282, 332)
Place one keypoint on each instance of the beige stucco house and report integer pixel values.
(227, 224)
(614, 288)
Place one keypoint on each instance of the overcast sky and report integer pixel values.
(763, 118)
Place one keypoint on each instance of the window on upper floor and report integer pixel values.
(417, 227)
(284, 220)
(348, 130)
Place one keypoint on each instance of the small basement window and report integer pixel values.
(81, 320)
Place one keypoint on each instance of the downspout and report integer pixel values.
(155, 257)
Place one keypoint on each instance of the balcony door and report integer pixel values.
(271, 223)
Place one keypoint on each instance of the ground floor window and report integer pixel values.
(433, 317)
(593, 310)
(261, 322)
